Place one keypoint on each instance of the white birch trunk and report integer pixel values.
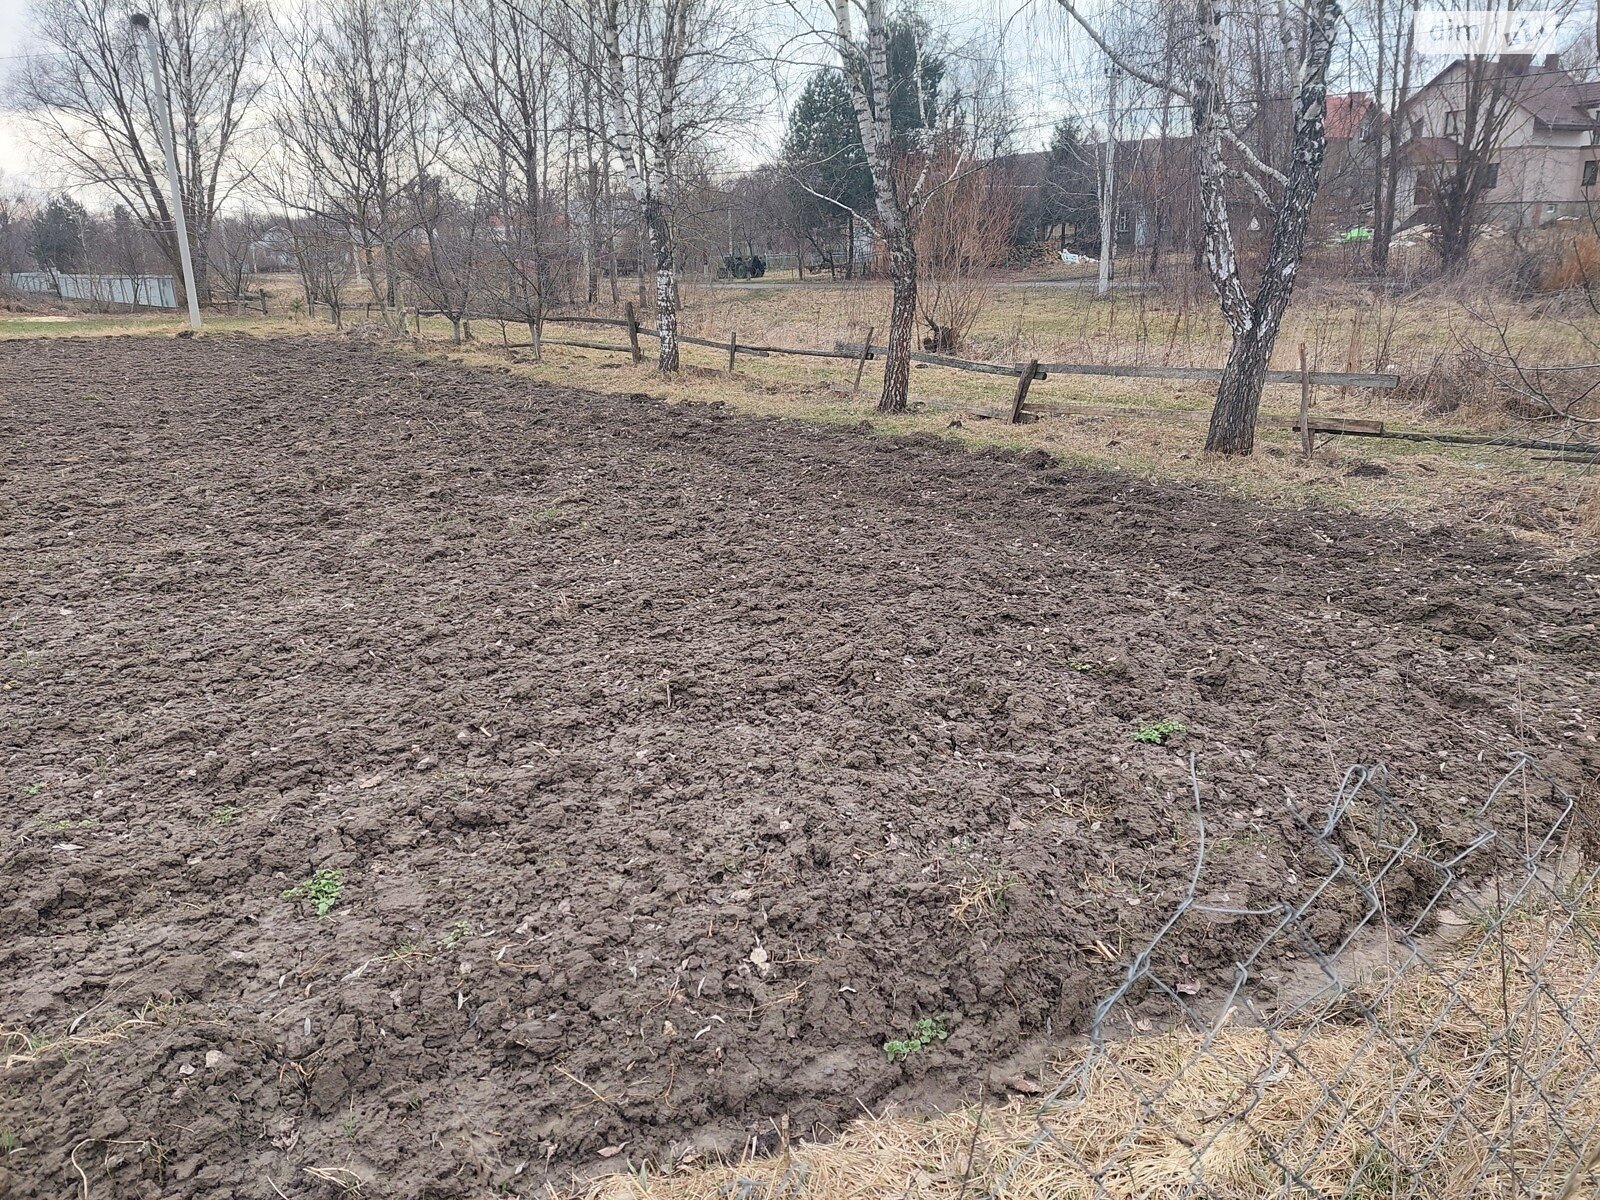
(894, 224)
(644, 168)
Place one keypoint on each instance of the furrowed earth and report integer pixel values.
(654, 766)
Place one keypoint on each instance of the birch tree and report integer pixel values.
(937, 150)
(88, 108)
(671, 78)
(895, 198)
(1305, 35)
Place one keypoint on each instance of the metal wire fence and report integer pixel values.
(1417, 1017)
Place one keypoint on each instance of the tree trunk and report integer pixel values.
(902, 325)
(1255, 321)
(1233, 415)
(1108, 195)
(660, 239)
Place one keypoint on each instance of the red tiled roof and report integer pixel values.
(1345, 114)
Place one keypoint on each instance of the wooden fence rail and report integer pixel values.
(636, 330)
(1366, 379)
(1369, 379)
(854, 350)
(1023, 406)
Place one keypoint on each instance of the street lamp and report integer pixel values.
(158, 85)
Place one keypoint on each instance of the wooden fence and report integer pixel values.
(1024, 408)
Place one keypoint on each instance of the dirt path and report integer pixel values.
(671, 762)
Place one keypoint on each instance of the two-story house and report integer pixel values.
(1542, 161)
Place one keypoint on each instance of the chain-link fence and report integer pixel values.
(1413, 1013)
(1418, 1017)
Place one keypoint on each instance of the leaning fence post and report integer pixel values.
(733, 348)
(1305, 404)
(866, 353)
(633, 332)
(1021, 396)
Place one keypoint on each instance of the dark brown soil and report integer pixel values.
(655, 747)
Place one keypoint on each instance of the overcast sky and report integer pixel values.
(13, 160)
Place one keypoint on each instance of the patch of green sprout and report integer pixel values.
(926, 1031)
(1158, 732)
(323, 890)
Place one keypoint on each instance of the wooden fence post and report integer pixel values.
(633, 332)
(1305, 404)
(733, 348)
(866, 353)
(1021, 396)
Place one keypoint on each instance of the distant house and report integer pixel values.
(1345, 196)
(1157, 187)
(1154, 194)
(1545, 162)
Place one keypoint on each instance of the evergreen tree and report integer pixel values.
(824, 164)
(916, 75)
(1070, 195)
(823, 152)
(57, 234)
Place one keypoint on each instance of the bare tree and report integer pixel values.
(88, 106)
(231, 252)
(895, 198)
(497, 77)
(355, 125)
(668, 82)
(1393, 33)
(1474, 99)
(909, 165)
(320, 248)
(442, 260)
(16, 211)
(961, 236)
(1254, 314)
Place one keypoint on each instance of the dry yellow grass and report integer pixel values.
(1491, 1107)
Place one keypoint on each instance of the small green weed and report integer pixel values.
(10, 1143)
(1158, 732)
(33, 789)
(323, 889)
(67, 824)
(926, 1031)
(226, 815)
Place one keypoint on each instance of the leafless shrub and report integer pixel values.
(960, 239)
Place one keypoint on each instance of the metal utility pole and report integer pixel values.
(1108, 189)
(158, 88)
